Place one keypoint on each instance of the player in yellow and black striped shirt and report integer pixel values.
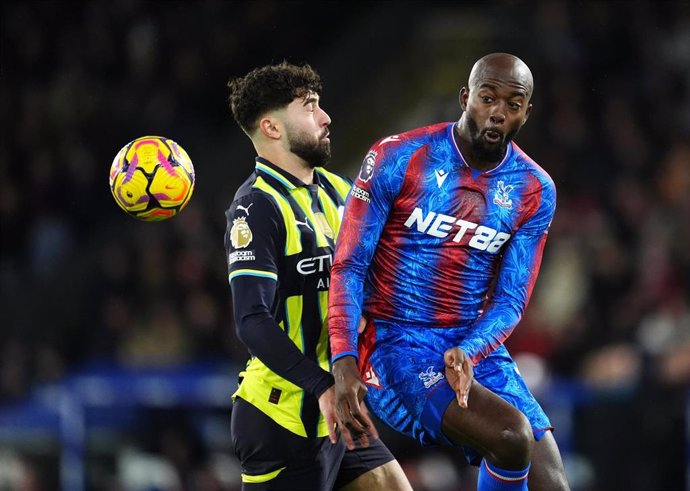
(280, 239)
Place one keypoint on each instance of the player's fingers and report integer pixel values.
(465, 376)
(460, 399)
(373, 432)
(366, 428)
(358, 417)
(349, 417)
(449, 358)
(330, 419)
(470, 378)
(347, 436)
(363, 437)
(460, 386)
(362, 325)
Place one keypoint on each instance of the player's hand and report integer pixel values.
(460, 372)
(327, 407)
(353, 417)
(362, 325)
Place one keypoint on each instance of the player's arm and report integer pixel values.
(516, 278)
(365, 215)
(254, 241)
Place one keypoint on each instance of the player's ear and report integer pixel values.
(269, 127)
(529, 110)
(464, 96)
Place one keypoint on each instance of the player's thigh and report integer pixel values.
(387, 477)
(371, 468)
(403, 371)
(486, 421)
(547, 472)
(499, 374)
(274, 458)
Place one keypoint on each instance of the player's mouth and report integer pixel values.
(492, 136)
(326, 135)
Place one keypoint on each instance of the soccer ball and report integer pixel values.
(152, 178)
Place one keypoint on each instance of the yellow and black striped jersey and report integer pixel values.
(280, 240)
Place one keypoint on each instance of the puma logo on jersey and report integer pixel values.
(246, 209)
(304, 223)
(439, 225)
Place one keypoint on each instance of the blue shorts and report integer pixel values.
(403, 368)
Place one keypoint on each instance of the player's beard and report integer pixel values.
(485, 151)
(316, 152)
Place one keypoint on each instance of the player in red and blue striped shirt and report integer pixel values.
(439, 250)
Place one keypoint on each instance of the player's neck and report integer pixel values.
(292, 164)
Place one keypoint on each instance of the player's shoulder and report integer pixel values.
(246, 188)
(248, 195)
(336, 186)
(414, 138)
(333, 177)
(528, 164)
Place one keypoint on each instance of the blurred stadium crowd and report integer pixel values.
(611, 124)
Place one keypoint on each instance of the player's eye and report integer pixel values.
(487, 99)
(514, 105)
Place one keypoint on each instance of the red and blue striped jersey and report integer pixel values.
(428, 241)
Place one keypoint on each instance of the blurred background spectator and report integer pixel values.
(82, 283)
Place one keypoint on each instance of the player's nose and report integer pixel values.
(497, 117)
(325, 118)
(498, 114)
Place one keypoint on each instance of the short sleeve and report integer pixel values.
(254, 237)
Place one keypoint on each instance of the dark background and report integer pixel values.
(605, 343)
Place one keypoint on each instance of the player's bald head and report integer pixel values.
(502, 67)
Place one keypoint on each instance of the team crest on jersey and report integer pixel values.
(429, 377)
(367, 167)
(323, 225)
(240, 233)
(502, 195)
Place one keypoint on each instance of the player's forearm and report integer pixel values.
(344, 307)
(491, 330)
(268, 342)
(343, 341)
(516, 278)
(362, 225)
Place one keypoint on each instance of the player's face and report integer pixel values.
(307, 130)
(495, 110)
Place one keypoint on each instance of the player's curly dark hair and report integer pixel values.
(267, 88)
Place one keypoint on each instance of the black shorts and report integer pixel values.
(275, 458)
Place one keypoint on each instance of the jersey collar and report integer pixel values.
(282, 176)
